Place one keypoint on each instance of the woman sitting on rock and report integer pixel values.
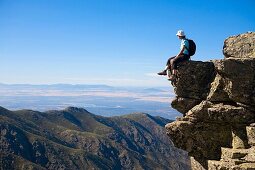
(172, 62)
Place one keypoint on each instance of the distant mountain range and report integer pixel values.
(57, 86)
(74, 138)
(101, 99)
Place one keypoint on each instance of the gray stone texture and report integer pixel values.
(217, 99)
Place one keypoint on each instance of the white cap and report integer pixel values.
(180, 33)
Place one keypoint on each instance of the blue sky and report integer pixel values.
(113, 42)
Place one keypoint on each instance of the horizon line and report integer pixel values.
(78, 84)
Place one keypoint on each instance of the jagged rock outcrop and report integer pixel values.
(240, 46)
(193, 85)
(237, 159)
(217, 99)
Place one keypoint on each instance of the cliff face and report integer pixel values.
(217, 99)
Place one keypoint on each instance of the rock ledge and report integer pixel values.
(217, 99)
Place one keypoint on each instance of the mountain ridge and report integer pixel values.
(74, 138)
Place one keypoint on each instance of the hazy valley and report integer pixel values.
(99, 99)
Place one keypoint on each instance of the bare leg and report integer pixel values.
(174, 71)
(167, 71)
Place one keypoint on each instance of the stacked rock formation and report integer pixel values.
(217, 99)
(236, 159)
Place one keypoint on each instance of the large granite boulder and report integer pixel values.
(238, 80)
(240, 46)
(193, 85)
(194, 79)
(217, 99)
(228, 80)
(207, 127)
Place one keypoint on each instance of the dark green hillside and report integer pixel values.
(73, 138)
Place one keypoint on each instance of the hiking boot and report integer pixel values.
(162, 73)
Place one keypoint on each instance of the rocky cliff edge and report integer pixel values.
(217, 99)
